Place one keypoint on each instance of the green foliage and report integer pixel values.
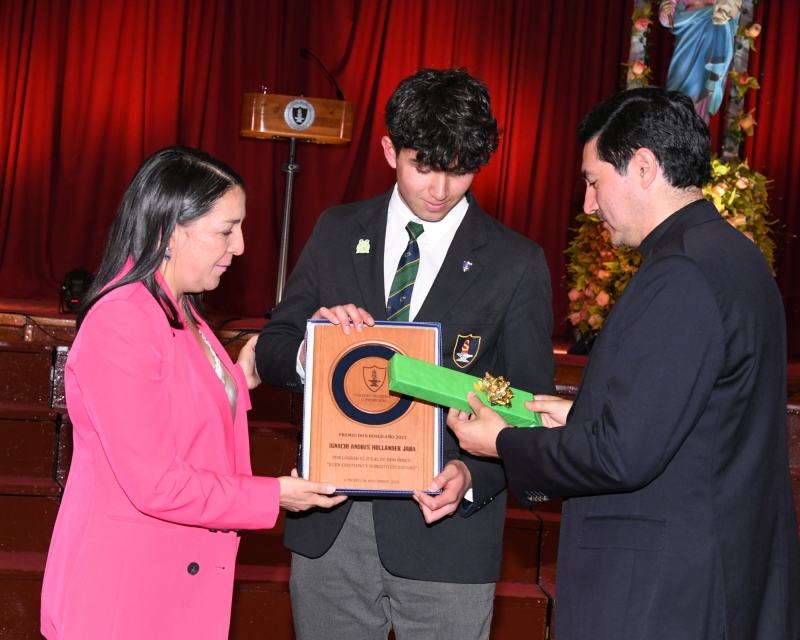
(740, 195)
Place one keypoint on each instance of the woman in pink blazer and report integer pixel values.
(145, 541)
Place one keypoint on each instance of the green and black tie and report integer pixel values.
(399, 304)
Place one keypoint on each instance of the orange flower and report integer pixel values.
(574, 294)
(641, 24)
(744, 77)
(754, 30)
(718, 189)
(602, 274)
(603, 299)
(747, 123)
(575, 318)
(596, 321)
(638, 68)
(742, 183)
(737, 220)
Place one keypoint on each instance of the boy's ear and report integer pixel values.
(389, 152)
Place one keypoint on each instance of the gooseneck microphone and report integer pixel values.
(305, 52)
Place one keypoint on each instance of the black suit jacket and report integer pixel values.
(504, 298)
(678, 520)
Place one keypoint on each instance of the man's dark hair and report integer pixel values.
(446, 117)
(174, 186)
(652, 118)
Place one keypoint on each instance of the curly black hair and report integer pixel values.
(446, 117)
(652, 118)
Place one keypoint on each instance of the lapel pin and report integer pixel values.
(466, 266)
(362, 246)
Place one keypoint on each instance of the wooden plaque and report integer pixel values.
(357, 435)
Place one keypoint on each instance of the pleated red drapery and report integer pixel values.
(89, 88)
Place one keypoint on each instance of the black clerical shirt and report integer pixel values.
(648, 245)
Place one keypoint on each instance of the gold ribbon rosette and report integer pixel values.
(497, 390)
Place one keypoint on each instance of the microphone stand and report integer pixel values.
(290, 168)
(256, 124)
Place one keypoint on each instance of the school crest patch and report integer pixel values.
(466, 350)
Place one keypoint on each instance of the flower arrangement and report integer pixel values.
(740, 123)
(598, 272)
(638, 73)
(750, 32)
(743, 82)
(740, 195)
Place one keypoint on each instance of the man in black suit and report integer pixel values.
(678, 519)
(365, 567)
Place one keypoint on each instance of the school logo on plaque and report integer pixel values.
(466, 350)
(359, 389)
(299, 114)
(374, 377)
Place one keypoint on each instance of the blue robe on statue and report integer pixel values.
(702, 56)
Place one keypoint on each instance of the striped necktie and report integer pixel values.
(398, 305)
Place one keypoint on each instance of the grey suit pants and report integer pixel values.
(347, 594)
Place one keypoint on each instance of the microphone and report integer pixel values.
(305, 52)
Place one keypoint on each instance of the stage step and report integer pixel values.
(261, 603)
(521, 609)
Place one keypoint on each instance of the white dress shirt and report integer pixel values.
(433, 246)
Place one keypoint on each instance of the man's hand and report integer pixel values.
(247, 361)
(298, 494)
(454, 481)
(476, 432)
(554, 410)
(341, 315)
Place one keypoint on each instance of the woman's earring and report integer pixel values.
(167, 254)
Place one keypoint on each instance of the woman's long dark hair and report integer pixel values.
(174, 186)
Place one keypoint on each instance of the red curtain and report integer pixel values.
(91, 87)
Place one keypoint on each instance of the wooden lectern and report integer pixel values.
(263, 116)
(272, 117)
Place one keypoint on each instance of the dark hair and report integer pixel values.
(446, 117)
(652, 118)
(174, 186)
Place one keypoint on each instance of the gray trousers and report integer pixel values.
(347, 594)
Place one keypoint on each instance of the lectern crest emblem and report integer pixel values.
(299, 114)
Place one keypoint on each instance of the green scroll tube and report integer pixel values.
(448, 388)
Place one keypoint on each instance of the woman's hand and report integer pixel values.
(247, 361)
(298, 494)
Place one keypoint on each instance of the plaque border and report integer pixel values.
(439, 419)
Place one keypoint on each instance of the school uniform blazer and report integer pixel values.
(503, 299)
(678, 520)
(158, 464)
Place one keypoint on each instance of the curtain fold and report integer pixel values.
(91, 87)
